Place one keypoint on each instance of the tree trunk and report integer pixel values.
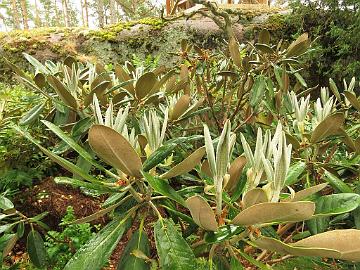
(82, 14)
(37, 16)
(15, 14)
(57, 18)
(65, 12)
(113, 18)
(24, 14)
(85, 13)
(100, 11)
(16, 20)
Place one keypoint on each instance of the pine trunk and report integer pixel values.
(37, 16)
(113, 18)
(15, 14)
(86, 13)
(57, 19)
(24, 14)
(65, 13)
(100, 10)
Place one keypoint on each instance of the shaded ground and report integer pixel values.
(54, 199)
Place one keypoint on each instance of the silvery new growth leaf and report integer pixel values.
(300, 109)
(272, 157)
(263, 147)
(2, 109)
(219, 163)
(349, 88)
(118, 123)
(323, 106)
(171, 102)
(186, 109)
(154, 132)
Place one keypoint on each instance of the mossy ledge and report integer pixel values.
(118, 43)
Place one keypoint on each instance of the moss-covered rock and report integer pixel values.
(118, 43)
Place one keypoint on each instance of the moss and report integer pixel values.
(275, 22)
(110, 33)
(155, 22)
(246, 15)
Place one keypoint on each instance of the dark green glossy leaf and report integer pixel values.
(337, 183)
(138, 241)
(20, 229)
(10, 244)
(179, 214)
(174, 252)
(113, 198)
(318, 224)
(158, 156)
(100, 186)
(223, 233)
(36, 249)
(257, 91)
(6, 227)
(186, 165)
(95, 253)
(336, 204)
(165, 150)
(294, 173)
(32, 115)
(162, 186)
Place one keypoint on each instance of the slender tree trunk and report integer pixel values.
(57, 18)
(37, 16)
(15, 14)
(24, 14)
(113, 18)
(86, 13)
(65, 12)
(82, 13)
(100, 11)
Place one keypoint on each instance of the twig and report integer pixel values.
(211, 105)
(216, 13)
(280, 259)
(282, 230)
(262, 255)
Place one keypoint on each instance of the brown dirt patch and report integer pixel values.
(54, 199)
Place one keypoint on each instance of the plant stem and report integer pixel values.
(155, 210)
(135, 194)
(239, 237)
(218, 195)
